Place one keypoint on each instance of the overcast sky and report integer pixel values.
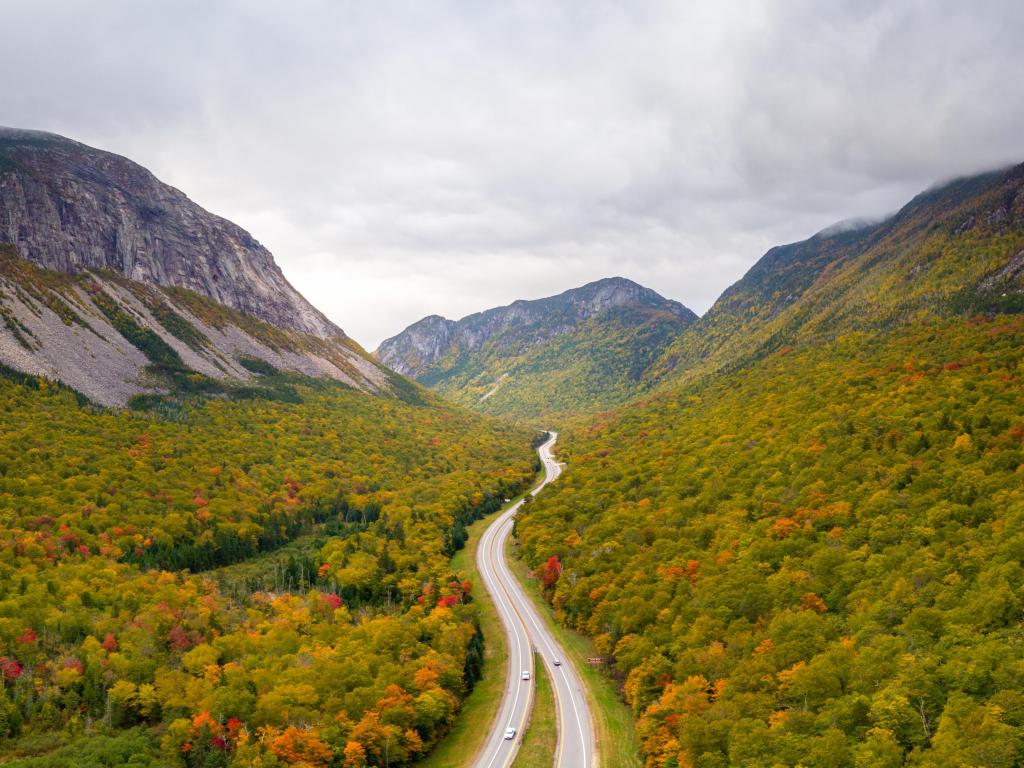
(408, 158)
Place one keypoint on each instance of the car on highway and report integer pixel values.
(557, 662)
(526, 674)
(510, 733)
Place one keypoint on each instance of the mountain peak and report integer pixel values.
(621, 291)
(69, 207)
(594, 339)
(423, 343)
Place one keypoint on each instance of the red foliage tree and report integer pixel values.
(9, 669)
(551, 572)
(28, 637)
(330, 602)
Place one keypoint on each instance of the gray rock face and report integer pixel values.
(417, 347)
(93, 250)
(111, 338)
(83, 349)
(520, 325)
(66, 207)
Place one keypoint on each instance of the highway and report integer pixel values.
(526, 630)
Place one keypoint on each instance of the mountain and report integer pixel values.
(581, 350)
(110, 279)
(804, 546)
(955, 248)
(68, 207)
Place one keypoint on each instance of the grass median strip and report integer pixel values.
(614, 725)
(541, 738)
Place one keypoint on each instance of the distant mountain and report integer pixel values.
(956, 248)
(118, 285)
(582, 350)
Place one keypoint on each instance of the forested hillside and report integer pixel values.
(338, 635)
(805, 548)
(597, 366)
(582, 351)
(957, 248)
(815, 560)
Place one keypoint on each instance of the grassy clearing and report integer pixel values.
(614, 725)
(541, 738)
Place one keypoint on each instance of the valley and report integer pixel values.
(828, 458)
(786, 532)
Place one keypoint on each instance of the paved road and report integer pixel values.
(527, 631)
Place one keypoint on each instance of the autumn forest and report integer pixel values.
(343, 633)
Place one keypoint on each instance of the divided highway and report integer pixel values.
(526, 632)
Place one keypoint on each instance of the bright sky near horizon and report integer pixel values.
(410, 158)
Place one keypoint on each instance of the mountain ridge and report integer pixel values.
(586, 344)
(950, 248)
(589, 299)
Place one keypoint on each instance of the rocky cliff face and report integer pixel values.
(66, 207)
(517, 327)
(112, 339)
(119, 286)
(583, 350)
(418, 347)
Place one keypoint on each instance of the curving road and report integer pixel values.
(526, 632)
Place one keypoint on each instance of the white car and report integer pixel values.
(526, 674)
(557, 662)
(510, 733)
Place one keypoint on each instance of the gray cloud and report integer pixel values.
(407, 158)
